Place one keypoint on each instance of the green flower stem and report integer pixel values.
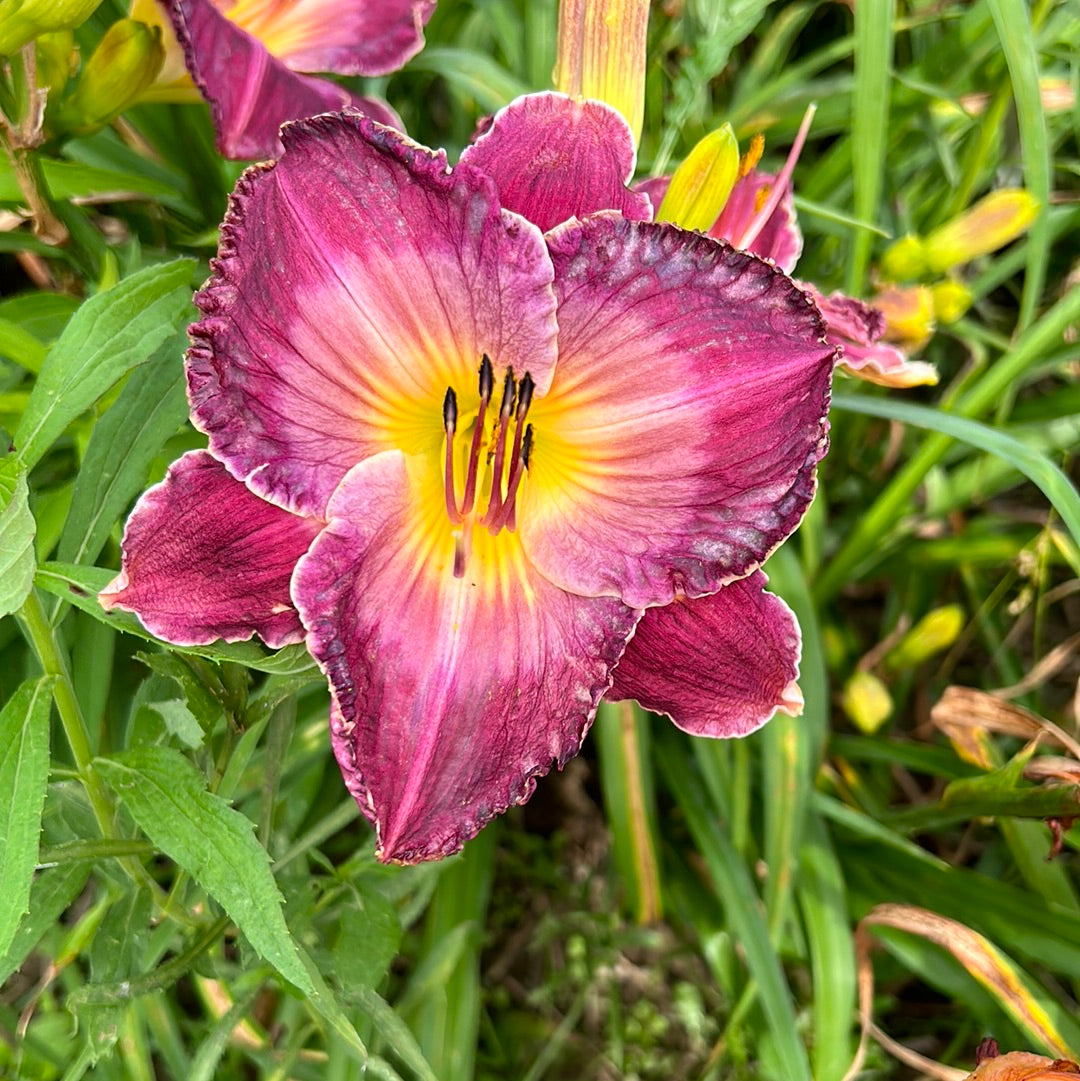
(864, 547)
(623, 745)
(41, 637)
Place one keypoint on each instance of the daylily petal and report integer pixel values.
(554, 158)
(250, 93)
(857, 328)
(678, 444)
(204, 559)
(358, 280)
(720, 665)
(349, 37)
(780, 238)
(450, 695)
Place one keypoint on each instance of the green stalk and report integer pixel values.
(623, 745)
(42, 639)
(863, 547)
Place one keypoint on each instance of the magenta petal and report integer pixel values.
(720, 665)
(358, 279)
(554, 158)
(348, 37)
(780, 238)
(450, 695)
(204, 559)
(678, 444)
(251, 93)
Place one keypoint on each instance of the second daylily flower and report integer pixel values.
(491, 474)
(249, 57)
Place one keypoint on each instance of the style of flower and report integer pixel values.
(759, 217)
(491, 474)
(248, 59)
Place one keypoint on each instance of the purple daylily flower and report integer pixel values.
(539, 468)
(248, 59)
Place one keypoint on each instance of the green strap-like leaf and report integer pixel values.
(168, 798)
(109, 335)
(24, 772)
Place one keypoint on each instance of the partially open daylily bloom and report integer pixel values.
(248, 59)
(538, 467)
(759, 216)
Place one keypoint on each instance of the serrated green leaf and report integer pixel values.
(24, 772)
(124, 442)
(368, 940)
(179, 721)
(17, 530)
(109, 335)
(168, 798)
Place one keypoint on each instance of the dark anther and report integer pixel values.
(526, 445)
(508, 395)
(487, 377)
(449, 411)
(525, 394)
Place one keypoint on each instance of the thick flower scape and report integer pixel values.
(490, 474)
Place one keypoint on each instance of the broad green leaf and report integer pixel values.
(168, 798)
(24, 772)
(109, 335)
(19, 345)
(17, 530)
(80, 586)
(367, 941)
(53, 890)
(124, 442)
(73, 180)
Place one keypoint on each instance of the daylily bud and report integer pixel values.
(990, 224)
(23, 20)
(124, 64)
(700, 187)
(908, 311)
(866, 700)
(172, 83)
(951, 300)
(904, 259)
(601, 54)
(56, 58)
(937, 630)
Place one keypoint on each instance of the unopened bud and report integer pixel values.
(866, 701)
(904, 259)
(56, 58)
(951, 300)
(700, 187)
(909, 313)
(124, 64)
(936, 631)
(990, 224)
(601, 54)
(23, 20)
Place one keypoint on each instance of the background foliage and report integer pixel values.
(666, 908)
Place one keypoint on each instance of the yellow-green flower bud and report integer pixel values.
(951, 300)
(700, 187)
(124, 64)
(23, 20)
(601, 54)
(990, 224)
(936, 631)
(904, 259)
(866, 701)
(56, 59)
(909, 313)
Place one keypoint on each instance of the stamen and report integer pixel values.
(486, 385)
(509, 397)
(449, 412)
(780, 185)
(507, 517)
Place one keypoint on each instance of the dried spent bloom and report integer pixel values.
(1023, 1066)
(248, 59)
(538, 468)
